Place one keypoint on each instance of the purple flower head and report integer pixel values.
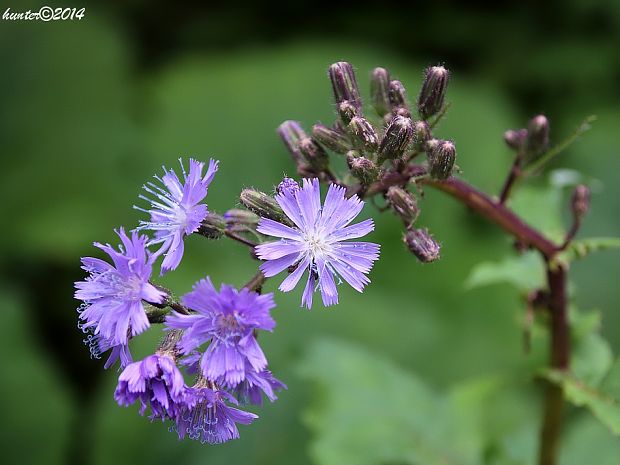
(113, 294)
(98, 346)
(255, 384)
(288, 185)
(204, 416)
(156, 382)
(316, 242)
(176, 210)
(228, 319)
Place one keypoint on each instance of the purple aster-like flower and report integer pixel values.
(204, 416)
(113, 294)
(255, 384)
(176, 210)
(227, 319)
(156, 382)
(316, 244)
(99, 345)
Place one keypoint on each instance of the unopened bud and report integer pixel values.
(263, 205)
(397, 95)
(313, 153)
(397, 137)
(404, 204)
(379, 90)
(213, 226)
(240, 218)
(291, 133)
(332, 139)
(347, 111)
(441, 159)
(421, 244)
(433, 91)
(344, 84)
(515, 138)
(362, 168)
(421, 134)
(580, 201)
(287, 185)
(537, 140)
(364, 134)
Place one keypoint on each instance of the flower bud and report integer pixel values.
(346, 111)
(379, 90)
(287, 185)
(404, 204)
(398, 135)
(213, 226)
(397, 95)
(537, 140)
(364, 134)
(330, 138)
(313, 153)
(580, 202)
(421, 244)
(441, 159)
(362, 168)
(344, 84)
(291, 133)
(421, 134)
(515, 138)
(243, 218)
(433, 91)
(263, 205)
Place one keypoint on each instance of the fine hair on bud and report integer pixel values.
(397, 96)
(213, 226)
(263, 205)
(421, 134)
(433, 92)
(537, 141)
(421, 244)
(515, 138)
(313, 154)
(291, 133)
(344, 84)
(398, 135)
(362, 168)
(363, 134)
(441, 159)
(332, 139)
(580, 201)
(379, 91)
(404, 205)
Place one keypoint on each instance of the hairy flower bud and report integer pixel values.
(291, 133)
(580, 202)
(213, 226)
(379, 90)
(240, 218)
(287, 185)
(344, 84)
(404, 204)
(397, 95)
(515, 138)
(263, 205)
(537, 140)
(313, 153)
(347, 112)
(398, 135)
(441, 159)
(364, 134)
(362, 168)
(421, 244)
(433, 91)
(332, 139)
(421, 134)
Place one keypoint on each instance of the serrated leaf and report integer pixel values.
(602, 402)
(583, 247)
(525, 272)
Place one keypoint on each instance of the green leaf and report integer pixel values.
(581, 248)
(603, 402)
(372, 412)
(541, 207)
(525, 272)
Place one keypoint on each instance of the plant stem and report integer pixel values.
(513, 175)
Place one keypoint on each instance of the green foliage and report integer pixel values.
(525, 272)
(581, 248)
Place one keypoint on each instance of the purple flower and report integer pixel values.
(98, 346)
(316, 244)
(288, 185)
(204, 416)
(176, 211)
(227, 319)
(255, 384)
(156, 382)
(113, 294)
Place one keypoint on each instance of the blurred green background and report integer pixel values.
(418, 369)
